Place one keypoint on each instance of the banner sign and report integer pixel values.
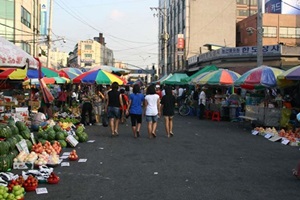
(43, 29)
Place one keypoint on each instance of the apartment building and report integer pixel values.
(245, 8)
(188, 28)
(19, 23)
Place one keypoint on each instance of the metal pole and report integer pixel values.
(49, 35)
(259, 34)
(165, 40)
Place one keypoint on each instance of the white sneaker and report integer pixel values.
(90, 124)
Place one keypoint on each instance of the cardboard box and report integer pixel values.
(72, 141)
(23, 165)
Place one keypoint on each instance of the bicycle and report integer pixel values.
(186, 107)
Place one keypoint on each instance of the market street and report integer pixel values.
(204, 160)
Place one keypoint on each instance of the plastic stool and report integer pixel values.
(215, 116)
(207, 114)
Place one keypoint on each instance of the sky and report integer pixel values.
(129, 27)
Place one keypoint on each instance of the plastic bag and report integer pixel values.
(104, 119)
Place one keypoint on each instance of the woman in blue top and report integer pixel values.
(135, 109)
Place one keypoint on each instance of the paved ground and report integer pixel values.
(204, 160)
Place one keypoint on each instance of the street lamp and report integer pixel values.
(259, 35)
(164, 36)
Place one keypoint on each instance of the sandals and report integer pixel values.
(138, 134)
(171, 134)
(154, 135)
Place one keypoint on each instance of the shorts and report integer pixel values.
(113, 112)
(151, 118)
(98, 109)
(135, 119)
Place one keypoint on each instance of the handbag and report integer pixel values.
(104, 119)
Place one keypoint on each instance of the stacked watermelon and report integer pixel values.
(80, 135)
(52, 134)
(10, 135)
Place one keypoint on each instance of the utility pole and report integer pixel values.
(162, 14)
(49, 35)
(259, 34)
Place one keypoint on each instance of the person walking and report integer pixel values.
(87, 107)
(135, 109)
(202, 102)
(113, 104)
(125, 105)
(152, 111)
(167, 109)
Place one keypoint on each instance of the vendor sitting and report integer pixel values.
(39, 120)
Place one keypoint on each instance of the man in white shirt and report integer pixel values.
(202, 102)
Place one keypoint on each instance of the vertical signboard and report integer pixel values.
(273, 6)
(290, 7)
(43, 17)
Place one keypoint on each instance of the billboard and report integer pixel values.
(291, 7)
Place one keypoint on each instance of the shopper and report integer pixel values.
(113, 104)
(125, 105)
(39, 120)
(152, 102)
(135, 109)
(202, 102)
(167, 109)
(87, 107)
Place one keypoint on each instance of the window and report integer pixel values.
(241, 2)
(289, 32)
(25, 17)
(269, 31)
(26, 47)
(88, 47)
(88, 55)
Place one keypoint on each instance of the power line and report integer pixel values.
(16, 28)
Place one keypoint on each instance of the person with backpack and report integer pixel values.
(125, 105)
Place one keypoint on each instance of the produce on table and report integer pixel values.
(53, 178)
(17, 192)
(73, 155)
(30, 183)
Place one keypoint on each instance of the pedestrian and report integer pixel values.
(152, 103)
(113, 104)
(39, 120)
(98, 100)
(158, 91)
(167, 109)
(62, 98)
(135, 109)
(87, 107)
(125, 105)
(202, 102)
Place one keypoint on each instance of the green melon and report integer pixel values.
(21, 125)
(60, 136)
(4, 147)
(5, 163)
(14, 129)
(29, 144)
(62, 143)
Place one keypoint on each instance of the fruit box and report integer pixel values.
(72, 141)
(23, 165)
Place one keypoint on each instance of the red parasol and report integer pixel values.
(47, 96)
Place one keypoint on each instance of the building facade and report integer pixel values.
(185, 27)
(245, 8)
(19, 23)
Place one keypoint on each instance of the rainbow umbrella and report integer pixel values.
(291, 74)
(50, 72)
(259, 78)
(70, 72)
(99, 77)
(222, 77)
(19, 74)
(47, 80)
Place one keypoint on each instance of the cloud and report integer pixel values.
(116, 15)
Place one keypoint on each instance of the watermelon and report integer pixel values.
(57, 128)
(11, 122)
(83, 137)
(25, 134)
(21, 125)
(14, 129)
(62, 143)
(29, 144)
(5, 163)
(5, 131)
(4, 147)
(51, 135)
(40, 134)
(60, 136)
(79, 130)
(12, 143)
(76, 137)
(42, 141)
(19, 137)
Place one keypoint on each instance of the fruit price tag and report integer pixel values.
(66, 153)
(254, 132)
(82, 160)
(275, 138)
(268, 136)
(64, 157)
(285, 141)
(41, 190)
(90, 141)
(65, 164)
(32, 138)
(22, 146)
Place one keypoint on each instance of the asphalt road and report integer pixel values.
(204, 160)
